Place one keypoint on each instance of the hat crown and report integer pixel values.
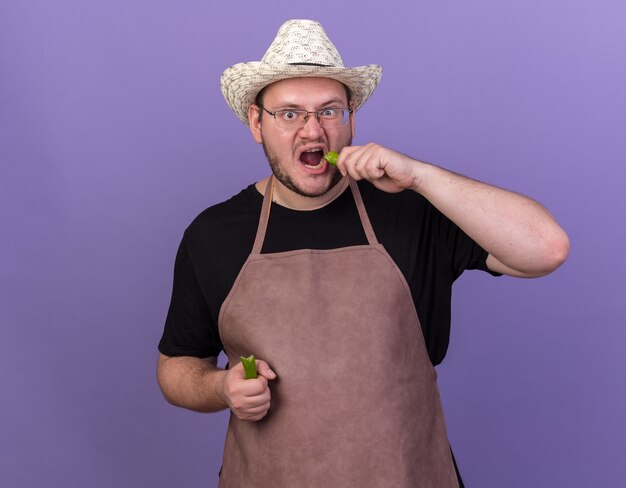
(300, 49)
(302, 42)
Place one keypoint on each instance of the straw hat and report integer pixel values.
(300, 49)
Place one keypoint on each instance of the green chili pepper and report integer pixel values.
(332, 157)
(249, 366)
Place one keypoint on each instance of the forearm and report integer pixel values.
(191, 383)
(520, 235)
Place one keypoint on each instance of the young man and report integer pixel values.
(343, 295)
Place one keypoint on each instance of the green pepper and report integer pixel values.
(332, 157)
(249, 366)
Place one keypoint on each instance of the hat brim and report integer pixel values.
(242, 82)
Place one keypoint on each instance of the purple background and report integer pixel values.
(114, 135)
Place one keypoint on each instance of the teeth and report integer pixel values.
(314, 167)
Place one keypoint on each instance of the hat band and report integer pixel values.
(312, 64)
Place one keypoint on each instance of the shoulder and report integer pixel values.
(404, 205)
(407, 219)
(371, 193)
(224, 221)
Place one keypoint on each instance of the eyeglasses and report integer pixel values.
(296, 119)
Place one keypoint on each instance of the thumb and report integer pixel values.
(264, 369)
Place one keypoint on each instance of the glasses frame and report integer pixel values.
(307, 115)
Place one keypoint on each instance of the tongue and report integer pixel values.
(311, 158)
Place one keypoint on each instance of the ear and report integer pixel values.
(255, 123)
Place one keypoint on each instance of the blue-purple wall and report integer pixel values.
(114, 135)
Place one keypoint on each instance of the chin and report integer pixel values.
(316, 187)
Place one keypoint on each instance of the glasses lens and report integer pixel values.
(289, 119)
(333, 117)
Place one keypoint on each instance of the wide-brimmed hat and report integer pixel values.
(300, 49)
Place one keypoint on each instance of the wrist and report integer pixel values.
(217, 384)
(420, 174)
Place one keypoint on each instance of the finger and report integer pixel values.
(371, 162)
(373, 169)
(256, 418)
(253, 416)
(237, 370)
(253, 408)
(343, 155)
(253, 387)
(352, 162)
(258, 404)
(264, 370)
(363, 164)
(242, 403)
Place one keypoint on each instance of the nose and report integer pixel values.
(312, 127)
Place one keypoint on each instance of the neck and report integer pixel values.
(285, 197)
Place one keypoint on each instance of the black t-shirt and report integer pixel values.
(429, 249)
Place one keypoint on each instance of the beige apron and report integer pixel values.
(356, 401)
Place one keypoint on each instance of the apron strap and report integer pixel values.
(267, 203)
(265, 216)
(365, 220)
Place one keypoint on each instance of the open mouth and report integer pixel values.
(312, 159)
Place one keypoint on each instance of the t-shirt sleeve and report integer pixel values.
(463, 252)
(188, 327)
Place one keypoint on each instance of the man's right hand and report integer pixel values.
(248, 399)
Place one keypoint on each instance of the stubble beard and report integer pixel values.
(286, 180)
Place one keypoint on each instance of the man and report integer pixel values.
(343, 294)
